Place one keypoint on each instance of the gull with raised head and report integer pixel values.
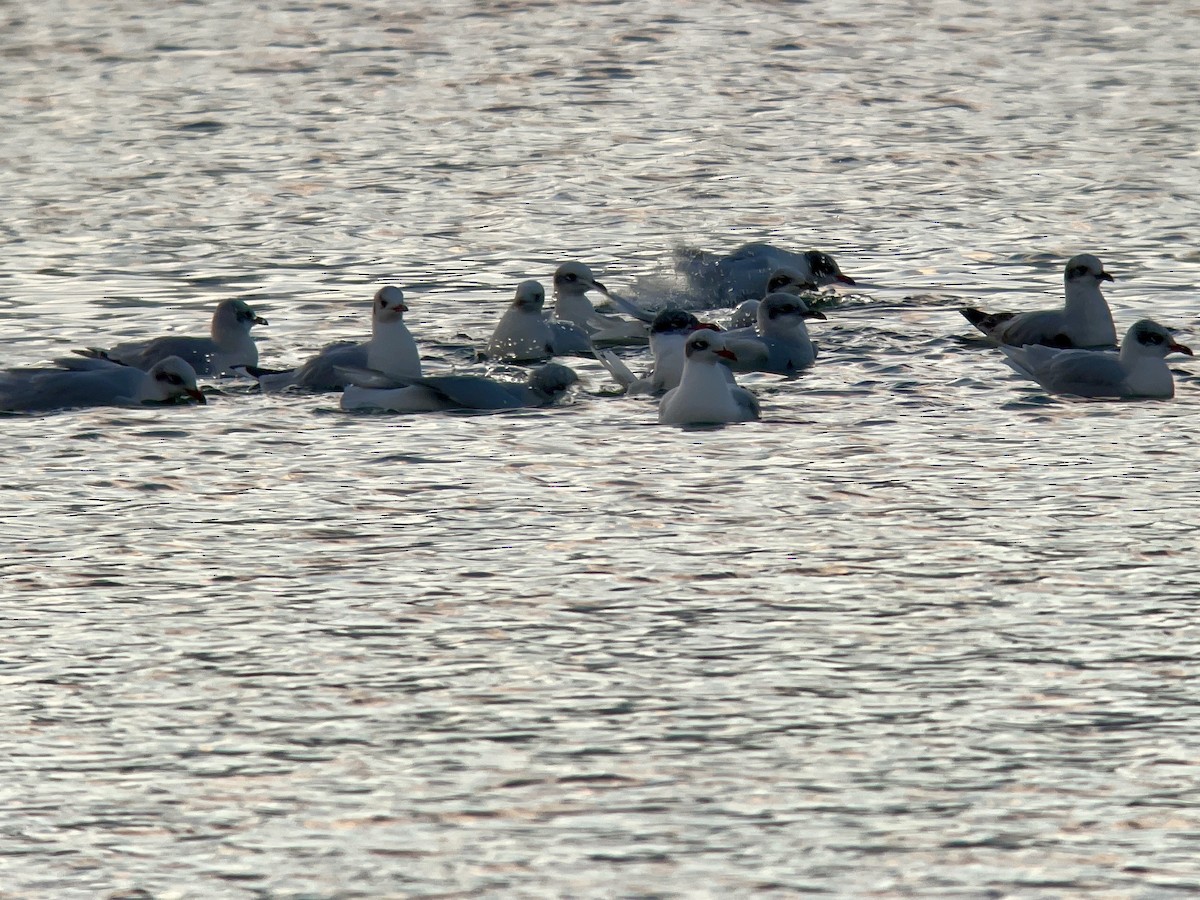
(572, 281)
(1085, 321)
(229, 344)
(524, 334)
(391, 350)
(97, 382)
(781, 345)
(1138, 370)
(436, 393)
(706, 395)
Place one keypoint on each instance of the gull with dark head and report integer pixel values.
(706, 395)
(1085, 321)
(229, 344)
(97, 382)
(744, 273)
(390, 350)
(1138, 370)
(781, 345)
(668, 332)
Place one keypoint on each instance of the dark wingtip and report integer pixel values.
(972, 315)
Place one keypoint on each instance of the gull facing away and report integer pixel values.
(229, 344)
(572, 281)
(391, 350)
(1085, 321)
(524, 334)
(744, 273)
(706, 395)
(1139, 370)
(97, 382)
(782, 345)
(437, 393)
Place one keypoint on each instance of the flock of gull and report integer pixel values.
(693, 364)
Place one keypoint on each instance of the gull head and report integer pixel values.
(552, 379)
(789, 281)
(1086, 269)
(388, 305)
(707, 347)
(784, 310)
(530, 296)
(576, 278)
(1152, 339)
(673, 320)
(825, 269)
(172, 378)
(236, 315)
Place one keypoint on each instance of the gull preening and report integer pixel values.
(744, 273)
(391, 350)
(781, 345)
(1085, 321)
(1138, 370)
(706, 395)
(524, 334)
(97, 382)
(229, 344)
(437, 393)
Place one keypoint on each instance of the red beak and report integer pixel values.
(844, 279)
(726, 354)
(1180, 348)
(197, 396)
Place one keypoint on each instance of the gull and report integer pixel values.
(705, 395)
(97, 382)
(572, 281)
(668, 332)
(436, 393)
(782, 345)
(1084, 321)
(524, 335)
(743, 274)
(229, 344)
(391, 350)
(1137, 370)
(782, 281)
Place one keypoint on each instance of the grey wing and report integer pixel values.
(195, 351)
(1085, 373)
(569, 338)
(321, 373)
(630, 308)
(1046, 327)
(747, 402)
(477, 392)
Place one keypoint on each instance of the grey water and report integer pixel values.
(923, 631)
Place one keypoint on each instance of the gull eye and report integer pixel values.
(169, 378)
(701, 345)
(1150, 337)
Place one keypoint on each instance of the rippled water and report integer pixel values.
(921, 632)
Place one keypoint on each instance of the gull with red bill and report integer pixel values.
(1139, 370)
(706, 395)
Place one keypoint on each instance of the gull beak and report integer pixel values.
(707, 326)
(402, 306)
(259, 320)
(844, 279)
(197, 396)
(1180, 348)
(1104, 276)
(814, 314)
(601, 288)
(726, 353)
